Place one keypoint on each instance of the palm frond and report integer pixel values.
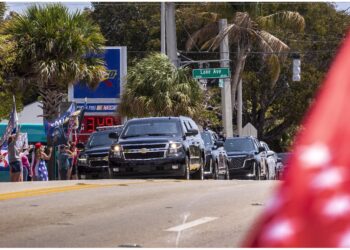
(274, 68)
(233, 31)
(283, 19)
(271, 44)
(201, 36)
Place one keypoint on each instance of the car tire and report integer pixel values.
(257, 172)
(267, 175)
(227, 176)
(199, 175)
(216, 171)
(187, 175)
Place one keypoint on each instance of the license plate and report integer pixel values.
(115, 169)
(83, 176)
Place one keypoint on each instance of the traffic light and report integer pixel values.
(296, 70)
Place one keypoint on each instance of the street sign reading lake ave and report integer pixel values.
(211, 73)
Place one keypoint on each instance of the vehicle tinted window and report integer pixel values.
(232, 145)
(152, 128)
(98, 140)
(207, 139)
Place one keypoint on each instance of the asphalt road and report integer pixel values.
(147, 213)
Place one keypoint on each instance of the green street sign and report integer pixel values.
(211, 73)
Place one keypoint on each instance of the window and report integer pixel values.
(237, 145)
(152, 128)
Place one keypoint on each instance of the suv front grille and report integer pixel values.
(237, 162)
(98, 163)
(144, 151)
(141, 156)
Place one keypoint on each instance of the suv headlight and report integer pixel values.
(116, 150)
(174, 148)
(83, 159)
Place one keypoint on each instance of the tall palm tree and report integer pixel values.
(156, 88)
(52, 46)
(245, 33)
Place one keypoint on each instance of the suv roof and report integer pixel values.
(161, 118)
(242, 137)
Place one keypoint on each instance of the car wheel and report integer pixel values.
(257, 172)
(227, 173)
(267, 175)
(216, 171)
(199, 175)
(186, 175)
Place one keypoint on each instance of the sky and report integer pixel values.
(19, 7)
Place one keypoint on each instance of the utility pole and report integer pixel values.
(239, 108)
(171, 45)
(226, 90)
(162, 28)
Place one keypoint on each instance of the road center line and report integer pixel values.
(191, 224)
(78, 186)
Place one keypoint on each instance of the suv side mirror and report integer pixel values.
(80, 146)
(192, 132)
(261, 149)
(219, 144)
(113, 135)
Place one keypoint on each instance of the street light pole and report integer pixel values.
(226, 90)
(239, 108)
(162, 28)
(171, 45)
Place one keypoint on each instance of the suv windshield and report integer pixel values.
(152, 128)
(207, 138)
(233, 145)
(99, 139)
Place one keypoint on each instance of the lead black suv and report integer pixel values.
(246, 157)
(158, 147)
(93, 159)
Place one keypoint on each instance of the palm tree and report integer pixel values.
(245, 33)
(156, 88)
(52, 46)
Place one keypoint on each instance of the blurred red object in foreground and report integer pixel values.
(311, 208)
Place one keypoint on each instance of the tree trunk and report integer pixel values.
(51, 99)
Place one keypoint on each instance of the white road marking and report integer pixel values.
(179, 232)
(191, 224)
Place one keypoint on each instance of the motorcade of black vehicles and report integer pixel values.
(282, 159)
(158, 147)
(216, 166)
(93, 159)
(271, 161)
(245, 157)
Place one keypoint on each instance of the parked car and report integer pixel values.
(271, 161)
(158, 146)
(93, 159)
(282, 159)
(246, 157)
(216, 160)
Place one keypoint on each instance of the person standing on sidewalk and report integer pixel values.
(16, 169)
(25, 164)
(39, 164)
(63, 162)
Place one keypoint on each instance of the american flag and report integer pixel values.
(42, 171)
(311, 208)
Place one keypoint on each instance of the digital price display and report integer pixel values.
(90, 123)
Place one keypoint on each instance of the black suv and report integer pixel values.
(158, 147)
(93, 160)
(246, 157)
(216, 158)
